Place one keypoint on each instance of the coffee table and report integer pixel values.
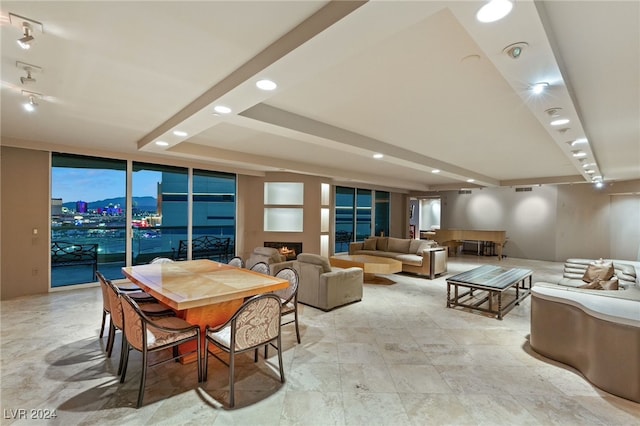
(496, 281)
(371, 266)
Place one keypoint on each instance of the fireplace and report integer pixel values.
(290, 250)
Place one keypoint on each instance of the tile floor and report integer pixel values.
(399, 357)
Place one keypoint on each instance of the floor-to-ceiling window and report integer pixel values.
(89, 214)
(355, 215)
(363, 214)
(345, 220)
(214, 208)
(382, 213)
(159, 210)
(88, 200)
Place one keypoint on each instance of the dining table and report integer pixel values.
(202, 292)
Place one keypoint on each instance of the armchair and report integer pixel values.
(324, 287)
(269, 255)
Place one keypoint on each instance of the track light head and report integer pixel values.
(25, 41)
(28, 79)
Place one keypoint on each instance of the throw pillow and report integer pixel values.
(598, 270)
(398, 245)
(369, 244)
(599, 284)
(382, 243)
(611, 284)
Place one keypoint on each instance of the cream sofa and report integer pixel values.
(325, 287)
(422, 257)
(595, 331)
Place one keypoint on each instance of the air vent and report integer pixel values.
(525, 189)
(464, 191)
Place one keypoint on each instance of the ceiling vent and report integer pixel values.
(464, 191)
(524, 189)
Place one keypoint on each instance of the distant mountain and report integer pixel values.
(147, 203)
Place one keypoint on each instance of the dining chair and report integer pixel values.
(262, 268)
(106, 309)
(255, 324)
(288, 300)
(237, 262)
(149, 335)
(161, 260)
(116, 320)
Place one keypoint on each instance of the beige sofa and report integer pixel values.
(595, 331)
(422, 257)
(325, 287)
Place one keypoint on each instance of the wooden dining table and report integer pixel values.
(202, 292)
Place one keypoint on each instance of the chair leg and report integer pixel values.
(125, 362)
(123, 347)
(205, 361)
(232, 359)
(143, 378)
(104, 316)
(280, 359)
(266, 351)
(110, 339)
(199, 353)
(296, 321)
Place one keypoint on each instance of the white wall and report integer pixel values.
(553, 222)
(528, 217)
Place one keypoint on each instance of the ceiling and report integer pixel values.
(421, 82)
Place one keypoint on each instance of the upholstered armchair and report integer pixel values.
(269, 255)
(326, 287)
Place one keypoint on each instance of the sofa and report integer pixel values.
(595, 331)
(422, 257)
(325, 287)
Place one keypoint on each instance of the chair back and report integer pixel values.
(256, 323)
(237, 262)
(134, 328)
(115, 303)
(105, 292)
(262, 268)
(161, 260)
(287, 294)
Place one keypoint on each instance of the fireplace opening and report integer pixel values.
(290, 250)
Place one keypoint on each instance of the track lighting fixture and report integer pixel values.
(31, 104)
(25, 41)
(28, 78)
(30, 70)
(32, 100)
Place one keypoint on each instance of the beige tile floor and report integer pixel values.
(399, 357)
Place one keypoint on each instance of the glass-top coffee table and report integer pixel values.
(494, 280)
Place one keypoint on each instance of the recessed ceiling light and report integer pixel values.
(515, 50)
(180, 133)
(222, 109)
(471, 180)
(560, 122)
(378, 156)
(599, 184)
(162, 143)
(579, 141)
(579, 154)
(494, 10)
(435, 171)
(538, 88)
(588, 165)
(590, 171)
(266, 85)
